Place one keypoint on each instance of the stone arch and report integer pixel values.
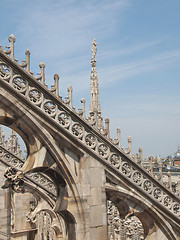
(64, 229)
(69, 225)
(134, 223)
(11, 118)
(56, 228)
(39, 141)
(155, 226)
(12, 140)
(32, 222)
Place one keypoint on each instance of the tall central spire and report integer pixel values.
(94, 108)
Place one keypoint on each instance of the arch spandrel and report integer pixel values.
(44, 154)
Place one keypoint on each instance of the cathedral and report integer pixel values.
(73, 181)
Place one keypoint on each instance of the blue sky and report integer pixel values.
(138, 59)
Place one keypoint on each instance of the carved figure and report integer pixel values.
(14, 179)
(93, 48)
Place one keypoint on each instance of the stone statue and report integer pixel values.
(93, 48)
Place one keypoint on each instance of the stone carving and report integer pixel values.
(31, 216)
(126, 169)
(49, 108)
(77, 130)
(147, 185)
(81, 111)
(55, 88)
(99, 145)
(45, 230)
(19, 83)
(68, 100)
(90, 140)
(157, 194)
(64, 119)
(43, 182)
(168, 201)
(4, 71)
(93, 48)
(121, 229)
(137, 177)
(35, 96)
(115, 160)
(26, 64)
(103, 150)
(176, 208)
(14, 179)
(16, 163)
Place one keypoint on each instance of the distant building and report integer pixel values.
(176, 158)
(165, 169)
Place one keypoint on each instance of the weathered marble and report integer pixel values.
(73, 169)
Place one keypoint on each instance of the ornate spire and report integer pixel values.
(94, 108)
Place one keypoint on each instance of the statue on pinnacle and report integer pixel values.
(93, 49)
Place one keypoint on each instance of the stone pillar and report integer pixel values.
(5, 208)
(130, 145)
(97, 203)
(8, 212)
(5, 213)
(92, 183)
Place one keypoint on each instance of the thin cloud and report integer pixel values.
(66, 28)
(124, 71)
(107, 75)
(121, 51)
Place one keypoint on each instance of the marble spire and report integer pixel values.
(94, 108)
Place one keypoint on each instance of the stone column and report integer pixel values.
(178, 186)
(92, 182)
(5, 208)
(8, 212)
(97, 201)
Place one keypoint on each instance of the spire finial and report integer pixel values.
(42, 74)
(169, 180)
(107, 126)
(150, 158)
(12, 40)
(81, 111)
(119, 136)
(68, 100)
(55, 87)
(28, 60)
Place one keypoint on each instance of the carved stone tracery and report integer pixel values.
(122, 229)
(15, 164)
(81, 129)
(90, 140)
(4, 71)
(102, 148)
(35, 96)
